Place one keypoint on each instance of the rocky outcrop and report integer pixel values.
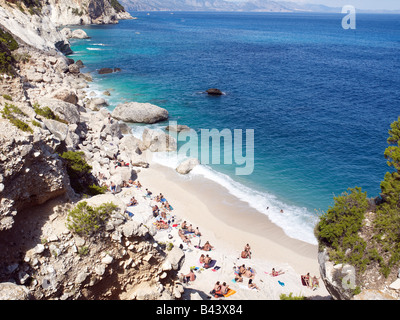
(343, 283)
(38, 28)
(29, 163)
(139, 113)
(81, 12)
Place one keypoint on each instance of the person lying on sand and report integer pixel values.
(315, 283)
(160, 225)
(207, 247)
(252, 285)
(183, 237)
(276, 273)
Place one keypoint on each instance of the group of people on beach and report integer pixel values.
(310, 282)
(159, 211)
(220, 290)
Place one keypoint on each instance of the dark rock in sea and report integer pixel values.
(214, 92)
(109, 70)
(80, 64)
(105, 70)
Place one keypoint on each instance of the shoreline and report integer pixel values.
(219, 214)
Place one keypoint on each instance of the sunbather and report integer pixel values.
(224, 288)
(197, 232)
(276, 273)
(189, 277)
(207, 246)
(252, 285)
(207, 261)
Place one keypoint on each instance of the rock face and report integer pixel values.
(39, 29)
(139, 113)
(29, 163)
(80, 12)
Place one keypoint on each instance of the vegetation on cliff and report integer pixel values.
(79, 172)
(350, 238)
(7, 45)
(87, 220)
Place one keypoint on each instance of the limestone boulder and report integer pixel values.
(136, 112)
(187, 165)
(79, 34)
(64, 110)
(158, 141)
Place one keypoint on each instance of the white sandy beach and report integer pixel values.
(228, 224)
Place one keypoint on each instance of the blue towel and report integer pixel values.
(281, 283)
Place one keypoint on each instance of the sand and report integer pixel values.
(229, 224)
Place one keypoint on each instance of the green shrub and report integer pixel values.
(291, 297)
(86, 220)
(117, 6)
(10, 111)
(79, 172)
(338, 228)
(47, 113)
(95, 190)
(7, 97)
(8, 40)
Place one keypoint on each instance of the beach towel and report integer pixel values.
(281, 283)
(130, 214)
(230, 292)
(216, 268)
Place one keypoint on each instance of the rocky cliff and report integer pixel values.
(45, 110)
(37, 24)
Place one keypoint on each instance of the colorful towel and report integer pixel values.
(230, 292)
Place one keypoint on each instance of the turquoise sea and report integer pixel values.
(319, 98)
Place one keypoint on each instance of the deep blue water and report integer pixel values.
(320, 98)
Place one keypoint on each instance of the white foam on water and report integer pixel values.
(297, 222)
